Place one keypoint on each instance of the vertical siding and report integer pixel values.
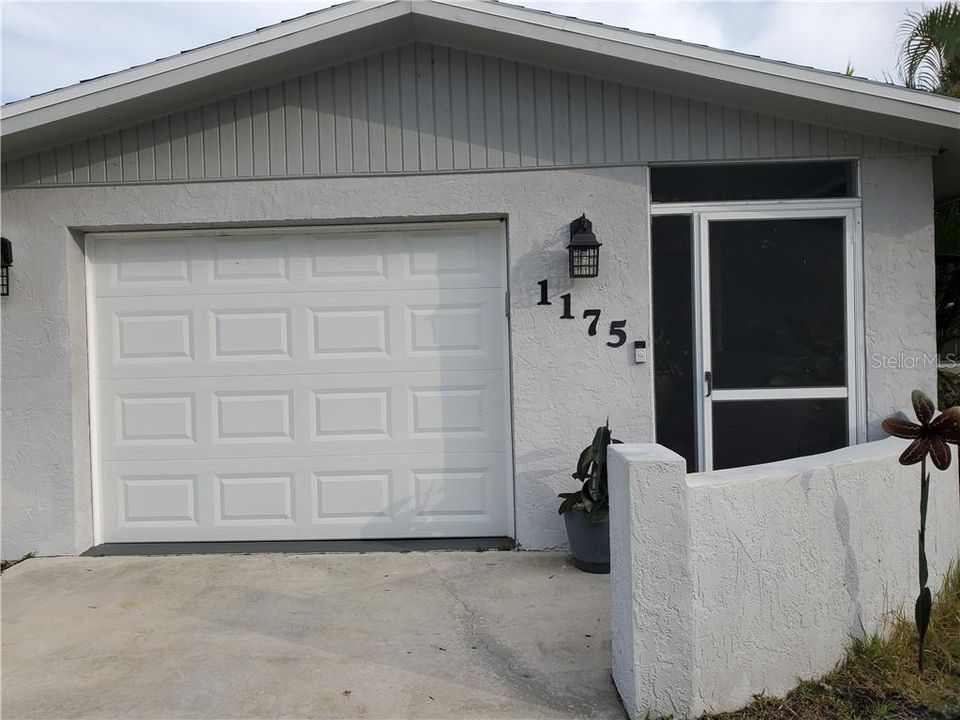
(561, 118)
(293, 136)
(228, 137)
(409, 129)
(310, 127)
(611, 124)
(146, 149)
(81, 162)
(421, 108)
(442, 109)
(426, 113)
(646, 124)
(195, 143)
(492, 113)
(476, 130)
(375, 117)
(64, 158)
(98, 171)
(628, 124)
(543, 115)
(113, 149)
(359, 125)
(327, 122)
(509, 114)
(680, 118)
(161, 148)
(459, 127)
(595, 121)
(244, 127)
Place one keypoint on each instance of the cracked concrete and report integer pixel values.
(448, 634)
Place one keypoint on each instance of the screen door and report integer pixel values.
(775, 325)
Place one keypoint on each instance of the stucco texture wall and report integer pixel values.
(899, 284)
(736, 582)
(565, 382)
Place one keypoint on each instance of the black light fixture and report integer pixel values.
(584, 249)
(6, 260)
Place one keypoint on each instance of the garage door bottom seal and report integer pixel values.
(478, 544)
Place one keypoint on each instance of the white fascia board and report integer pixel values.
(197, 64)
(725, 66)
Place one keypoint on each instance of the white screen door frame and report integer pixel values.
(702, 215)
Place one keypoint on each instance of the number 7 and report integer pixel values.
(595, 314)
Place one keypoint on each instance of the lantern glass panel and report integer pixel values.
(584, 262)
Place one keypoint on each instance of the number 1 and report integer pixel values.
(567, 315)
(543, 293)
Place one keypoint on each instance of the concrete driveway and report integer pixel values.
(379, 635)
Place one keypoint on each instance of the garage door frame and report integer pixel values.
(319, 229)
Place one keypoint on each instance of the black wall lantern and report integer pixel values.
(6, 260)
(584, 249)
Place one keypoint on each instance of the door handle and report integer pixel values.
(708, 378)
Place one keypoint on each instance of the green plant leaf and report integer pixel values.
(583, 463)
(600, 441)
(587, 503)
(570, 499)
(600, 513)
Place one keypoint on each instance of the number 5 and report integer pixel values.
(617, 331)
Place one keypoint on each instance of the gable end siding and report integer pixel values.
(426, 108)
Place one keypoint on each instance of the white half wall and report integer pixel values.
(735, 582)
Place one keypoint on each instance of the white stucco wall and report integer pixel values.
(899, 284)
(564, 382)
(730, 583)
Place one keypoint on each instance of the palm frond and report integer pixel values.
(930, 48)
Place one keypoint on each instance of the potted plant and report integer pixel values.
(586, 511)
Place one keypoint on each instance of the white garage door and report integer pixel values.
(304, 383)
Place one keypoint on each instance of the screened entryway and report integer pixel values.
(755, 319)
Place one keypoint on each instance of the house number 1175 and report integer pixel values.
(617, 331)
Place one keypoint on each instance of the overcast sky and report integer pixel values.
(47, 45)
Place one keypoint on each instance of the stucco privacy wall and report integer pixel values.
(736, 582)
(426, 108)
(564, 381)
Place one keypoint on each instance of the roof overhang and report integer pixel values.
(357, 28)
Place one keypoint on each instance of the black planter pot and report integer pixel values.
(589, 542)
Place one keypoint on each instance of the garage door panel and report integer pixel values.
(278, 415)
(299, 498)
(248, 262)
(147, 265)
(324, 260)
(299, 333)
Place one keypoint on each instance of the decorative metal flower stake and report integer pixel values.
(931, 436)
